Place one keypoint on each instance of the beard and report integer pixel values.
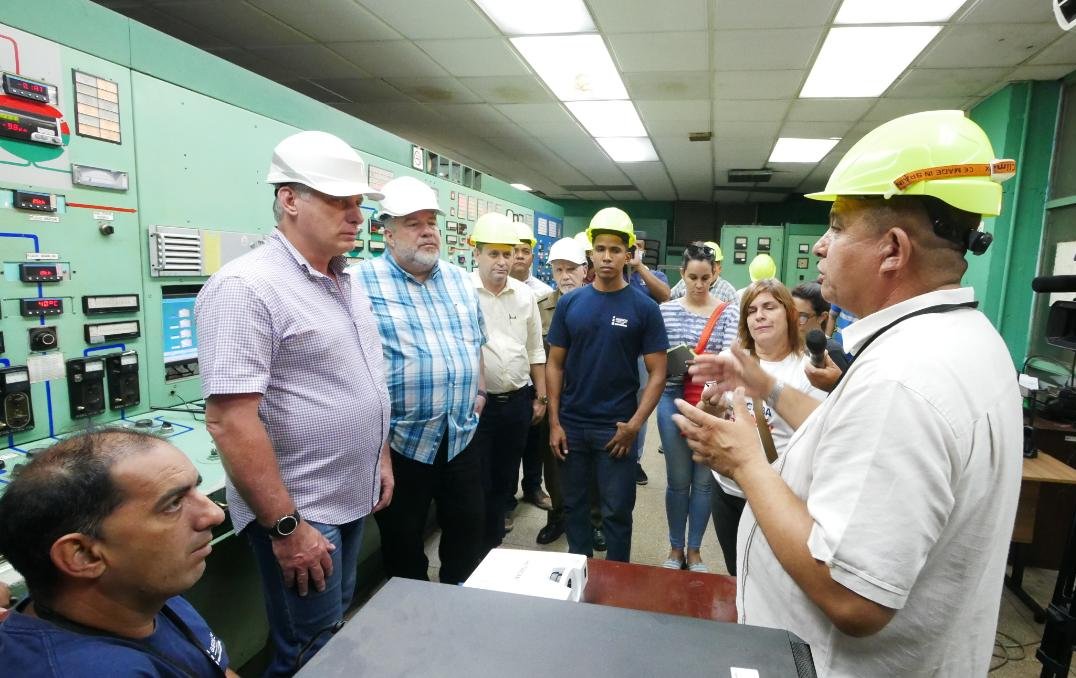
(415, 257)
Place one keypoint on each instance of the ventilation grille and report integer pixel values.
(749, 176)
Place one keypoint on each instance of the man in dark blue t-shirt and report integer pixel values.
(597, 334)
(108, 528)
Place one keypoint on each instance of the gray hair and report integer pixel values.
(278, 209)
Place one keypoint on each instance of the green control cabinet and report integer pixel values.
(801, 263)
(740, 244)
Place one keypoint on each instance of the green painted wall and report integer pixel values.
(1020, 121)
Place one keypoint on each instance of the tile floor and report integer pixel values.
(650, 546)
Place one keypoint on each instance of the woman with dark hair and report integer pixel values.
(687, 497)
(769, 331)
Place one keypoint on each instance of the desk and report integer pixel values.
(1039, 470)
(415, 628)
(657, 589)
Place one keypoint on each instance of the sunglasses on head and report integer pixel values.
(700, 251)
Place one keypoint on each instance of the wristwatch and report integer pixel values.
(284, 526)
(544, 399)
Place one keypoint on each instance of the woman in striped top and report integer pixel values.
(687, 499)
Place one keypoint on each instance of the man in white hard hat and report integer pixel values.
(880, 537)
(295, 392)
(513, 365)
(432, 334)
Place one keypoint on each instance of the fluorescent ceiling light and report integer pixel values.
(863, 62)
(528, 17)
(521, 187)
(608, 118)
(628, 149)
(904, 12)
(575, 67)
(790, 149)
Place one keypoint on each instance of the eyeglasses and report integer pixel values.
(804, 317)
(696, 251)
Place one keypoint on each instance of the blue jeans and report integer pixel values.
(587, 457)
(293, 619)
(687, 497)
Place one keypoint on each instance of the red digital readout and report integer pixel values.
(45, 272)
(39, 201)
(30, 87)
(15, 127)
(47, 303)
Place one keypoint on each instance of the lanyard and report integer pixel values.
(50, 615)
(939, 308)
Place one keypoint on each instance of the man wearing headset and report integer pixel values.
(880, 536)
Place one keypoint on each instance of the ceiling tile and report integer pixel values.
(742, 153)
(311, 61)
(757, 84)
(734, 129)
(886, 109)
(944, 82)
(670, 118)
(815, 130)
(651, 52)
(753, 14)
(360, 90)
(316, 91)
(771, 110)
(782, 48)
(668, 85)
(1007, 12)
(393, 59)
(819, 110)
(1040, 72)
(987, 45)
(524, 114)
(592, 195)
(476, 58)
(1061, 51)
(480, 119)
(520, 89)
(646, 16)
(348, 21)
(625, 195)
(789, 175)
(433, 19)
(564, 128)
(435, 90)
(254, 63)
(171, 24)
(721, 195)
(242, 23)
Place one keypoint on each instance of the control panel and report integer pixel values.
(85, 386)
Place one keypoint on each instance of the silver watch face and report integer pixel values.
(287, 525)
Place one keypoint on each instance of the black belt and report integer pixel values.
(507, 395)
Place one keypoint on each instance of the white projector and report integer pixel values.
(544, 574)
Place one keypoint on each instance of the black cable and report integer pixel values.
(334, 627)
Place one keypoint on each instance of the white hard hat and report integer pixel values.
(568, 249)
(406, 195)
(323, 162)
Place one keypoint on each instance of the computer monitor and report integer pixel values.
(178, 332)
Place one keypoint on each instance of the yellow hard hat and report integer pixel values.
(612, 219)
(494, 228)
(718, 256)
(762, 267)
(937, 153)
(526, 234)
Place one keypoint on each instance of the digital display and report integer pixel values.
(32, 307)
(25, 127)
(179, 332)
(40, 273)
(27, 89)
(110, 303)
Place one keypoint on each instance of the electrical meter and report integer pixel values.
(122, 369)
(16, 407)
(85, 386)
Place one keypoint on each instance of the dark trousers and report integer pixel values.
(727, 510)
(499, 440)
(456, 487)
(587, 459)
(534, 460)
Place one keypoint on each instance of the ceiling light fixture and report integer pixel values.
(528, 17)
(628, 149)
(521, 187)
(608, 118)
(863, 62)
(574, 67)
(904, 12)
(790, 149)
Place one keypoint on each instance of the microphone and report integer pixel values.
(1054, 283)
(816, 347)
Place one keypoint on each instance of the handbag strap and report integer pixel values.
(704, 338)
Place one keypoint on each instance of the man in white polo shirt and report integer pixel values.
(881, 536)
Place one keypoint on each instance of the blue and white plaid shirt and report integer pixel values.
(432, 334)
